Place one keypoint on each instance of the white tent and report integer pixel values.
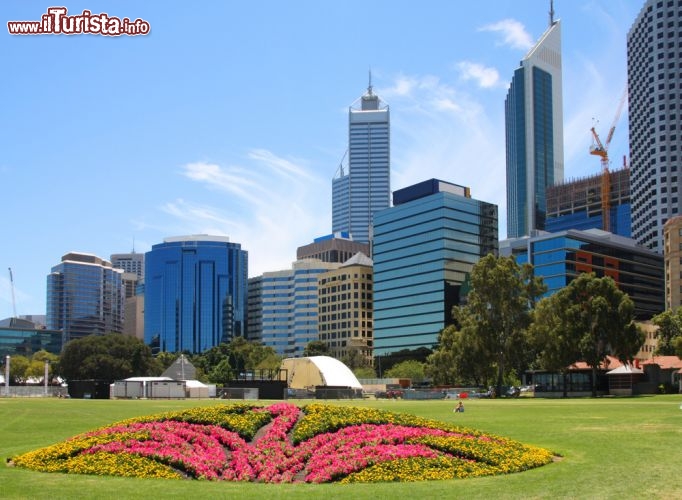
(306, 373)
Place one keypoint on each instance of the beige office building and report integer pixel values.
(345, 299)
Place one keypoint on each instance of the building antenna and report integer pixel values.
(369, 87)
(551, 12)
(133, 244)
(14, 300)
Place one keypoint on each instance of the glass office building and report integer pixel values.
(559, 257)
(365, 187)
(425, 246)
(195, 293)
(534, 133)
(85, 296)
(654, 60)
(289, 309)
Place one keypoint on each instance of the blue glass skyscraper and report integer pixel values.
(425, 246)
(85, 296)
(195, 293)
(365, 188)
(534, 133)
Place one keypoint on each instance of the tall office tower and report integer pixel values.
(195, 293)
(84, 296)
(289, 306)
(133, 267)
(425, 246)
(337, 247)
(672, 259)
(130, 262)
(534, 133)
(655, 119)
(577, 204)
(365, 188)
(254, 309)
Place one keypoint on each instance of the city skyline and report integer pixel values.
(232, 120)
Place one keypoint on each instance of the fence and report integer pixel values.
(31, 391)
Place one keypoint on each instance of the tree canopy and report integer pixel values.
(586, 320)
(107, 357)
(493, 321)
(669, 332)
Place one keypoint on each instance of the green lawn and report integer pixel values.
(610, 448)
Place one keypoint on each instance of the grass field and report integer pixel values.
(609, 447)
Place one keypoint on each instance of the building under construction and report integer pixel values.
(577, 204)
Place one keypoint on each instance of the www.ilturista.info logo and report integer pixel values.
(56, 21)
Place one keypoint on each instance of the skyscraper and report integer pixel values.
(195, 293)
(365, 188)
(425, 246)
(534, 133)
(84, 296)
(655, 119)
(289, 306)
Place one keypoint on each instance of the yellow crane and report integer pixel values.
(602, 150)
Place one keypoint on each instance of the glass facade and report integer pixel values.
(28, 341)
(195, 293)
(365, 188)
(654, 119)
(85, 296)
(289, 306)
(559, 258)
(534, 134)
(620, 221)
(423, 251)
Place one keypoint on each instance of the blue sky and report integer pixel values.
(230, 118)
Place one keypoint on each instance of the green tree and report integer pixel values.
(459, 358)
(669, 325)
(18, 367)
(588, 319)
(365, 372)
(414, 370)
(498, 311)
(354, 360)
(221, 373)
(556, 345)
(316, 348)
(107, 357)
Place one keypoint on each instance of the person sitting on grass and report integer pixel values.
(459, 408)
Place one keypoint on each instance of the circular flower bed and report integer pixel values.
(285, 443)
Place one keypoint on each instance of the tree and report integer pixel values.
(107, 357)
(221, 374)
(241, 355)
(589, 319)
(316, 348)
(364, 372)
(669, 325)
(354, 360)
(557, 348)
(458, 359)
(18, 367)
(498, 311)
(414, 370)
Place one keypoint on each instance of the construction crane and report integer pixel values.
(602, 150)
(14, 301)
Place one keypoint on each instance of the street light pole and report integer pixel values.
(7, 359)
(47, 369)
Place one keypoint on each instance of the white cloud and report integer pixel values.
(513, 33)
(280, 205)
(485, 77)
(443, 132)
